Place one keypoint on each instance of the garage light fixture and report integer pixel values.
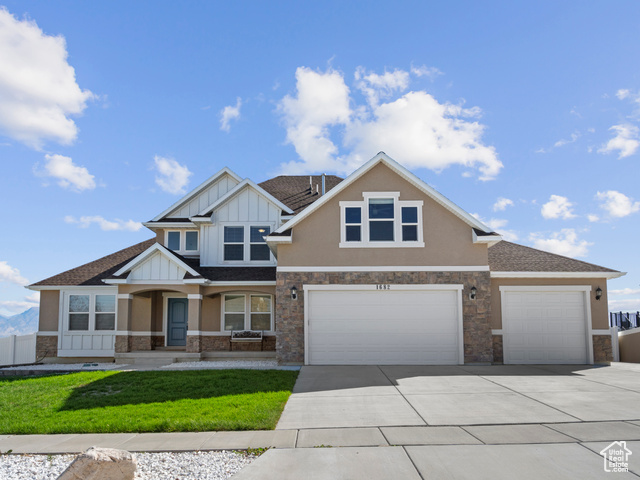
(294, 293)
(598, 293)
(473, 293)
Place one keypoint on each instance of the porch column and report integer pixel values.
(194, 328)
(123, 328)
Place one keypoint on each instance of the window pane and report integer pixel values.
(105, 321)
(234, 234)
(234, 303)
(353, 233)
(78, 303)
(381, 231)
(79, 321)
(260, 252)
(409, 214)
(260, 303)
(258, 232)
(105, 303)
(353, 215)
(234, 321)
(191, 241)
(173, 240)
(261, 321)
(381, 208)
(234, 252)
(409, 233)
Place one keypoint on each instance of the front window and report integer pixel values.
(353, 221)
(234, 243)
(259, 248)
(91, 312)
(184, 241)
(381, 212)
(79, 312)
(246, 243)
(247, 312)
(173, 240)
(191, 241)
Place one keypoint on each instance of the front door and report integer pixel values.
(177, 322)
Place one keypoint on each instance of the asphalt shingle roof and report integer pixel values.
(295, 191)
(511, 257)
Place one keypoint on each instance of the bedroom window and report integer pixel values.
(173, 241)
(182, 241)
(258, 248)
(234, 243)
(247, 312)
(353, 224)
(91, 312)
(246, 243)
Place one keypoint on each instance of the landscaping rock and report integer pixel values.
(101, 464)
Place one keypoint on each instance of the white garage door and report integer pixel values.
(388, 327)
(544, 327)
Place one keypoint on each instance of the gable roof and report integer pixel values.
(511, 257)
(156, 247)
(93, 273)
(382, 157)
(196, 191)
(246, 183)
(299, 191)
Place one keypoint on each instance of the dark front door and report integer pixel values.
(177, 322)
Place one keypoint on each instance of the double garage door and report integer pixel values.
(383, 324)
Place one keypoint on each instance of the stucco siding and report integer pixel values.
(49, 311)
(629, 343)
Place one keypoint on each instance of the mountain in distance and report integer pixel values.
(20, 324)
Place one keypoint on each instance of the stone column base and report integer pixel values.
(46, 346)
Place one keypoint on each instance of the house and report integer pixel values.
(378, 268)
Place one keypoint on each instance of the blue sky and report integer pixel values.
(526, 114)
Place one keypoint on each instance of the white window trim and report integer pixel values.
(247, 311)
(183, 241)
(397, 222)
(64, 312)
(246, 243)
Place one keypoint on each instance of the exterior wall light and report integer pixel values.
(598, 293)
(473, 293)
(294, 293)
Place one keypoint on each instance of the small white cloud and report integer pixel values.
(557, 207)
(16, 306)
(564, 242)
(38, 89)
(626, 305)
(498, 225)
(33, 297)
(574, 137)
(625, 291)
(229, 113)
(501, 204)
(623, 93)
(104, 224)
(375, 86)
(617, 204)
(11, 274)
(625, 141)
(423, 71)
(69, 175)
(593, 218)
(172, 177)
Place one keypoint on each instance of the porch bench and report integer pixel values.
(246, 336)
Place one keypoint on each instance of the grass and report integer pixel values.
(153, 401)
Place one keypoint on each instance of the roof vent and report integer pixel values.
(323, 184)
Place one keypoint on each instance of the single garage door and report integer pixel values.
(544, 326)
(386, 327)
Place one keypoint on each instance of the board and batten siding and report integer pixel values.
(247, 207)
(206, 198)
(158, 267)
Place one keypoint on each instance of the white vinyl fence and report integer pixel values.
(17, 350)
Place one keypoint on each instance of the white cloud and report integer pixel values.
(415, 128)
(229, 113)
(625, 291)
(34, 297)
(625, 141)
(16, 306)
(564, 242)
(626, 305)
(11, 274)
(557, 207)
(423, 71)
(375, 86)
(38, 89)
(497, 225)
(502, 203)
(104, 224)
(69, 175)
(617, 204)
(172, 177)
(574, 137)
(593, 218)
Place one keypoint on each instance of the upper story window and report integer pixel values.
(245, 243)
(183, 241)
(381, 220)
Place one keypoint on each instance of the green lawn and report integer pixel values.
(154, 401)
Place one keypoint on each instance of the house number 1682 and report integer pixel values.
(385, 286)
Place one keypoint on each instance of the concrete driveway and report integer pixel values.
(468, 422)
(383, 396)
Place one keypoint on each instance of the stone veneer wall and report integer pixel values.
(219, 343)
(478, 343)
(602, 349)
(46, 346)
(498, 349)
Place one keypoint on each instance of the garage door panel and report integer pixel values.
(389, 327)
(544, 327)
